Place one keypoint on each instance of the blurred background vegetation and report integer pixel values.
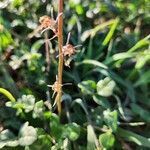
(110, 74)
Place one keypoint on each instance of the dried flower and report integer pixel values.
(56, 86)
(67, 51)
(46, 23)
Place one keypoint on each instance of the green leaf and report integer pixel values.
(16, 105)
(17, 3)
(28, 101)
(16, 62)
(107, 140)
(111, 32)
(38, 109)
(56, 127)
(94, 62)
(27, 135)
(47, 114)
(5, 38)
(12, 143)
(7, 94)
(120, 108)
(91, 137)
(138, 110)
(87, 87)
(143, 42)
(111, 118)
(140, 44)
(79, 9)
(6, 134)
(44, 141)
(122, 56)
(66, 144)
(101, 101)
(36, 46)
(133, 137)
(105, 87)
(2, 144)
(92, 32)
(72, 131)
(80, 102)
(142, 58)
(7, 138)
(144, 79)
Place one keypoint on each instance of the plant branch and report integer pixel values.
(60, 44)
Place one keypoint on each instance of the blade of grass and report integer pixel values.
(143, 42)
(89, 51)
(133, 137)
(92, 140)
(140, 44)
(93, 62)
(144, 79)
(111, 32)
(92, 32)
(7, 94)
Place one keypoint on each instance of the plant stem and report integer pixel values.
(60, 64)
(48, 63)
(47, 53)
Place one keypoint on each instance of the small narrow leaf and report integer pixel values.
(94, 62)
(111, 32)
(133, 137)
(7, 94)
(90, 138)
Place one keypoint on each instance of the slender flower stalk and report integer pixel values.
(60, 64)
(47, 53)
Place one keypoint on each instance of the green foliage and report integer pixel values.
(107, 140)
(5, 36)
(101, 101)
(87, 87)
(111, 119)
(72, 131)
(38, 109)
(90, 138)
(106, 106)
(105, 87)
(130, 136)
(27, 135)
(144, 114)
(25, 103)
(8, 139)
